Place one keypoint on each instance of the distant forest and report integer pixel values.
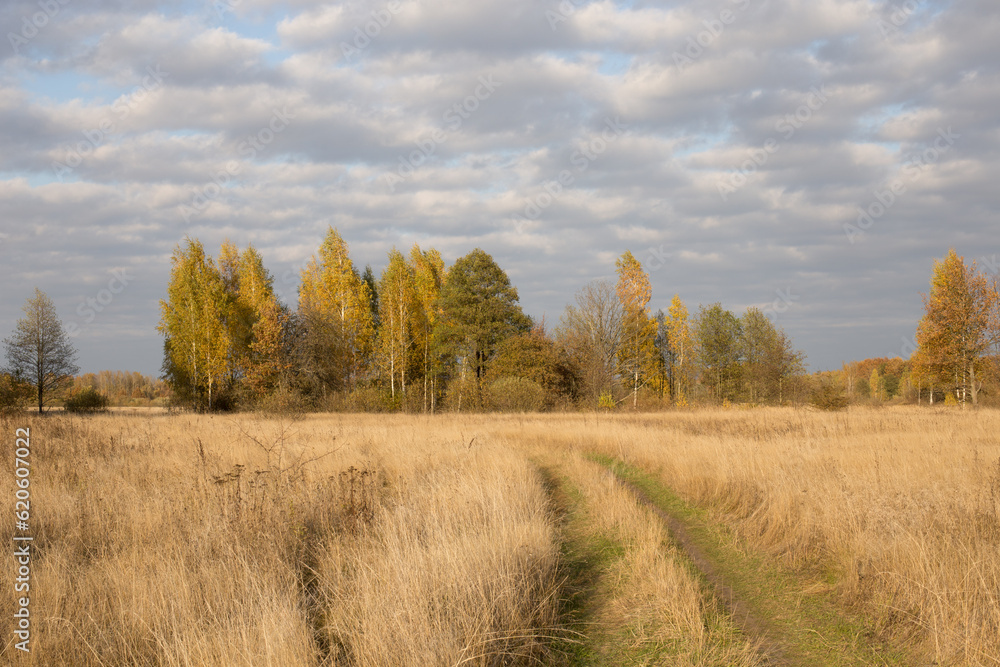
(425, 337)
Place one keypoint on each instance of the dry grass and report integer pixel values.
(441, 547)
(647, 604)
(900, 508)
(152, 549)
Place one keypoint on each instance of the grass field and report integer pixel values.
(712, 537)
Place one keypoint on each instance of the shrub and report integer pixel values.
(282, 401)
(829, 396)
(14, 394)
(512, 394)
(87, 400)
(606, 401)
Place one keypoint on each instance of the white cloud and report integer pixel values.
(652, 189)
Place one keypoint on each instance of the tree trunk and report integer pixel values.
(392, 373)
(635, 391)
(972, 385)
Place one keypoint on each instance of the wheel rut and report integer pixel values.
(793, 622)
(739, 610)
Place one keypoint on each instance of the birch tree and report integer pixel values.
(428, 277)
(335, 304)
(397, 299)
(681, 349)
(197, 341)
(954, 334)
(637, 329)
(39, 352)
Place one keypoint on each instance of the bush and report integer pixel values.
(829, 396)
(282, 402)
(512, 394)
(87, 400)
(14, 394)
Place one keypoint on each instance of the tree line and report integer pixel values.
(424, 336)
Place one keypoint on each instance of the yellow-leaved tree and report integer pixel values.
(197, 341)
(263, 323)
(637, 353)
(681, 345)
(335, 308)
(955, 333)
(398, 306)
(428, 276)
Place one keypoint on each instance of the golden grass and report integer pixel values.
(153, 550)
(900, 508)
(648, 605)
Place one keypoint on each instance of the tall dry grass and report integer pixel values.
(199, 540)
(261, 546)
(901, 507)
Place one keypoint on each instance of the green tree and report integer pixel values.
(877, 386)
(758, 338)
(15, 393)
(718, 336)
(479, 309)
(39, 351)
(369, 279)
(954, 334)
(768, 358)
(532, 356)
(193, 321)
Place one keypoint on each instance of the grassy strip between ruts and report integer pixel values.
(594, 561)
(585, 559)
(794, 617)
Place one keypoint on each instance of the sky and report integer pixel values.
(807, 157)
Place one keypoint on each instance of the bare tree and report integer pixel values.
(40, 351)
(591, 332)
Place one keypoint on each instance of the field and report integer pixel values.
(714, 537)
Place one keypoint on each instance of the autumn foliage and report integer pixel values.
(424, 336)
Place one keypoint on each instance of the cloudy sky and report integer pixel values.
(809, 157)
